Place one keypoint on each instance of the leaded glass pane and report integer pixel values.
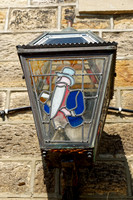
(66, 93)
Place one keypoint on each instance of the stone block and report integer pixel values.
(101, 6)
(117, 139)
(123, 21)
(113, 101)
(43, 2)
(124, 40)
(2, 18)
(68, 13)
(18, 139)
(113, 116)
(38, 198)
(6, 3)
(2, 100)
(89, 22)
(33, 19)
(11, 75)
(20, 99)
(15, 177)
(130, 164)
(44, 179)
(124, 72)
(10, 41)
(51, 2)
(92, 22)
(103, 178)
(127, 99)
(22, 116)
(67, 1)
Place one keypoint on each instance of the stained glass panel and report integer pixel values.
(66, 93)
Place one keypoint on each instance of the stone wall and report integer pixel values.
(21, 170)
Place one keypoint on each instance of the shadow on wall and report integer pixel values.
(108, 178)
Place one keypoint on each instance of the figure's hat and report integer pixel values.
(68, 72)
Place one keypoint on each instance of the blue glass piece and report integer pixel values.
(46, 109)
(80, 104)
(71, 100)
(65, 40)
(75, 121)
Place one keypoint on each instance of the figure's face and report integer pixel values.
(63, 81)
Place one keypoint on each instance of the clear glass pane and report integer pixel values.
(91, 84)
(39, 67)
(86, 131)
(78, 82)
(41, 83)
(94, 65)
(58, 65)
(74, 134)
(89, 106)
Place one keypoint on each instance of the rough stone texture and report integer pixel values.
(66, 1)
(45, 2)
(18, 140)
(124, 70)
(31, 19)
(123, 21)
(7, 3)
(8, 77)
(10, 41)
(103, 178)
(68, 13)
(124, 40)
(89, 22)
(127, 99)
(111, 115)
(38, 198)
(20, 99)
(2, 100)
(94, 22)
(110, 144)
(34, 198)
(113, 101)
(44, 179)
(2, 18)
(118, 139)
(21, 116)
(130, 164)
(15, 177)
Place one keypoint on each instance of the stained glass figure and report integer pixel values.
(66, 106)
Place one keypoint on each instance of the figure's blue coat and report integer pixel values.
(75, 103)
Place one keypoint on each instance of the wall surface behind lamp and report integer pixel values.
(21, 169)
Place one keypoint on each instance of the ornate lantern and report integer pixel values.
(70, 81)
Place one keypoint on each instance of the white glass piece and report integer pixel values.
(57, 100)
(45, 95)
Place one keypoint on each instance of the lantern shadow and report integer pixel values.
(120, 114)
(107, 178)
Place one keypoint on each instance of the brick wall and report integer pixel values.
(21, 170)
